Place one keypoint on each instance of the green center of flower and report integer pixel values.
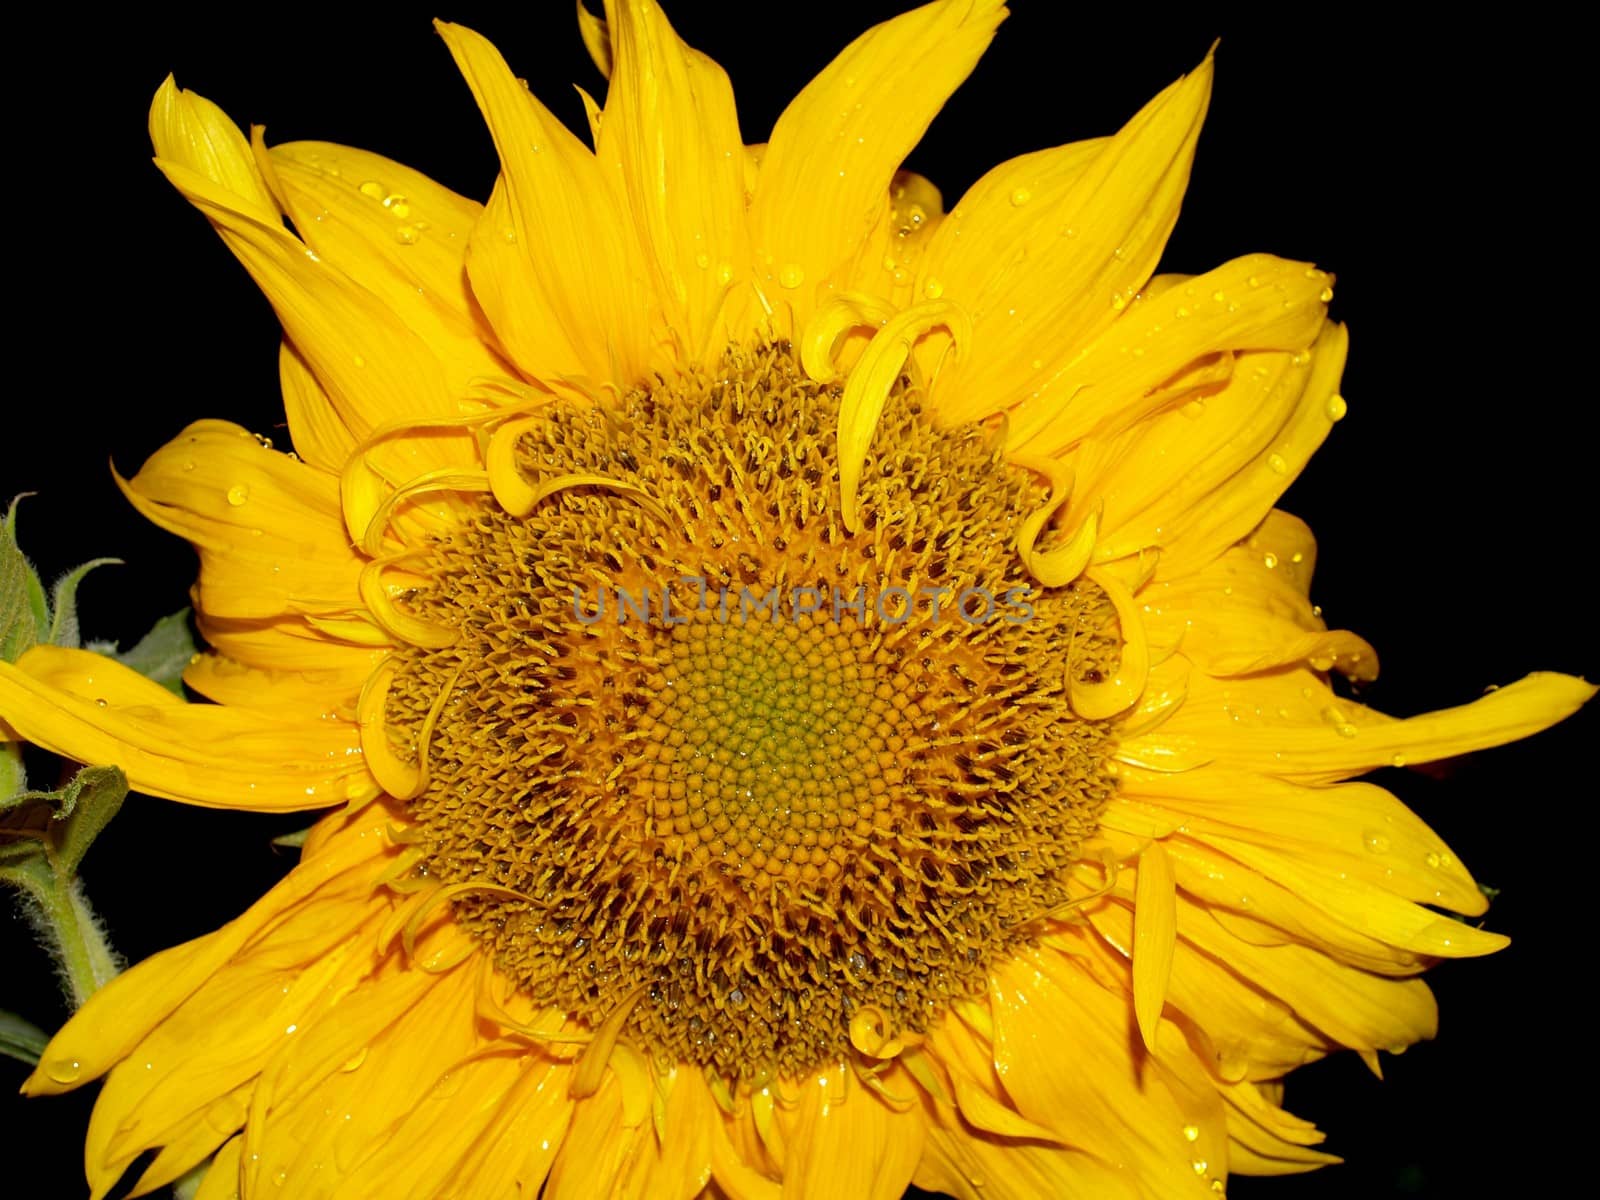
(768, 747)
(781, 791)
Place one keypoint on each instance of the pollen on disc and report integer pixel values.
(720, 755)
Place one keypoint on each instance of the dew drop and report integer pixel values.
(1119, 302)
(933, 289)
(1399, 760)
(406, 234)
(1020, 196)
(1327, 294)
(1199, 1166)
(238, 494)
(373, 189)
(1191, 1133)
(1270, 559)
(64, 1070)
(1337, 408)
(1375, 841)
(703, 261)
(725, 274)
(401, 210)
(1278, 464)
(353, 1063)
(792, 275)
(1434, 860)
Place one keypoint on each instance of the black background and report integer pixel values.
(1431, 168)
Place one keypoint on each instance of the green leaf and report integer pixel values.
(64, 598)
(80, 810)
(24, 616)
(21, 1040)
(164, 652)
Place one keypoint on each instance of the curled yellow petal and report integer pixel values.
(838, 316)
(874, 378)
(1107, 698)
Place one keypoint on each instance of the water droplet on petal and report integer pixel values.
(1376, 842)
(238, 494)
(933, 289)
(373, 189)
(1337, 408)
(791, 275)
(1020, 196)
(1277, 464)
(64, 1070)
(1191, 1133)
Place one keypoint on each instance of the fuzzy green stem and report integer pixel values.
(76, 939)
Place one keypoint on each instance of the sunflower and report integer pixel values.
(813, 689)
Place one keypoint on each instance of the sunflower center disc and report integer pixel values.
(772, 782)
(771, 749)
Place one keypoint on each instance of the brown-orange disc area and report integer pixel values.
(755, 772)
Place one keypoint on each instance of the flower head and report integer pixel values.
(816, 691)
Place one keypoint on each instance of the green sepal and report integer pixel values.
(78, 812)
(164, 652)
(295, 840)
(24, 613)
(21, 1040)
(64, 601)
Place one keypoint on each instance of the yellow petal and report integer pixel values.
(1196, 481)
(327, 692)
(292, 644)
(552, 260)
(1155, 932)
(1045, 252)
(221, 1180)
(853, 1146)
(1253, 303)
(1266, 1140)
(319, 435)
(371, 365)
(670, 125)
(397, 234)
(1092, 1090)
(444, 1135)
(267, 527)
(1351, 1007)
(1247, 1030)
(89, 708)
(960, 1163)
(290, 1138)
(1356, 828)
(1297, 728)
(824, 180)
(1248, 612)
(193, 132)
